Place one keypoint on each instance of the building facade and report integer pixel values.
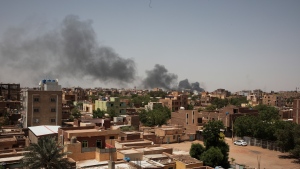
(42, 106)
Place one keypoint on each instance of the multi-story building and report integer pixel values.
(258, 93)
(205, 99)
(111, 103)
(220, 93)
(273, 100)
(9, 98)
(43, 105)
(175, 101)
(151, 105)
(254, 100)
(296, 111)
(194, 121)
(10, 92)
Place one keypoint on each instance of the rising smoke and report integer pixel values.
(71, 52)
(68, 52)
(159, 77)
(184, 84)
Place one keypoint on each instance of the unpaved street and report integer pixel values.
(249, 155)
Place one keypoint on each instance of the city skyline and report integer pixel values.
(234, 45)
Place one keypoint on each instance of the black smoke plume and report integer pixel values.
(184, 84)
(70, 51)
(159, 77)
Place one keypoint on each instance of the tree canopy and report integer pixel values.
(216, 150)
(75, 113)
(158, 116)
(98, 113)
(45, 154)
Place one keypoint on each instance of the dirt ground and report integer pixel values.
(249, 155)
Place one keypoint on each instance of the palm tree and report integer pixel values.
(45, 154)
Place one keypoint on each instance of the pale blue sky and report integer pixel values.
(234, 45)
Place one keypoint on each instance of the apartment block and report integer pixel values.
(175, 101)
(114, 103)
(296, 111)
(43, 105)
(273, 99)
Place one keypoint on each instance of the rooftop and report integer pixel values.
(44, 130)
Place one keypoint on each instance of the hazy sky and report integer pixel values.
(234, 45)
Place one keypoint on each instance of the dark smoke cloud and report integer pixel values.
(184, 84)
(159, 77)
(70, 52)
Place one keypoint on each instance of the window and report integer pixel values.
(111, 137)
(53, 110)
(84, 143)
(174, 137)
(36, 110)
(52, 100)
(52, 120)
(99, 143)
(36, 99)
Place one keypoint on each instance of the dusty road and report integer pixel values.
(249, 155)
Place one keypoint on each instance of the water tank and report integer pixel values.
(73, 139)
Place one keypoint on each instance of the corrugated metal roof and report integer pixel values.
(44, 130)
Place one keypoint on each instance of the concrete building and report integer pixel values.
(220, 93)
(42, 106)
(273, 99)
(36, 132)
(150, 105)
(10, 92)
(172, 134)
(9, 98)
(254, 100)
(175, 101)
(296, 111)
(114, 103)
(89, 142)
(194, 121)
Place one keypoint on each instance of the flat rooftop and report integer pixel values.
(130, 151)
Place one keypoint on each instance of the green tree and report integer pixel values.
(112, 113)
(267, 113)
(212, 157)
(75, 113)
(284, 135)
(98, 113)
(45, 154)
(211, 108)
(196, 150)
(211, 133)
(158, 116)
(220, 103)
(161, 94)
(127, 128)
(190, 107)
(244, 125)
(296, 135)
(141, 100)
(214, 138)
(237, 101)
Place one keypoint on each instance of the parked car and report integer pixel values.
(240, 143)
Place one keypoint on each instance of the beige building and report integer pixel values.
(43, 105)
(175, 101)
(171, 134)
(273, 100)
